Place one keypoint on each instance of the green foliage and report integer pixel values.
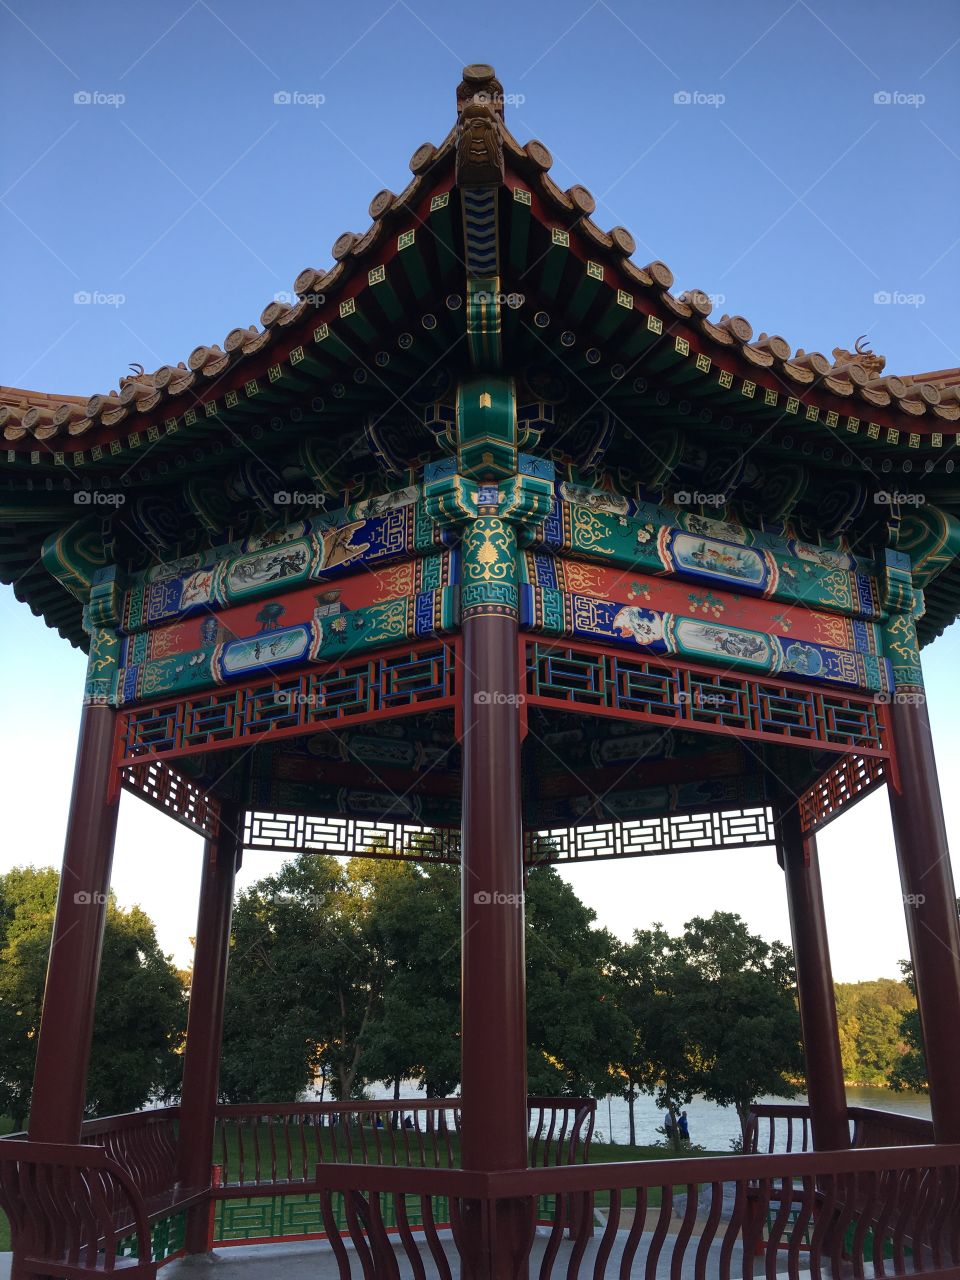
(654, 1052)
(742, 1013)
(711, 1012)
(414, 915)
(572, 1016)
(300, 984)
(360, 971)
(141, 1006)
(910, 1069)
(870, 1017)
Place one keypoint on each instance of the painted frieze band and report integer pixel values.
(594, 602)
(377, 530)
(316, 622)
(601, 525)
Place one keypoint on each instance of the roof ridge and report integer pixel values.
(484, 148)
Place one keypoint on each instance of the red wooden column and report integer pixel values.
(66, 1025)
(929, 896)
(201, 1061)
(494, 1072)
(494, 1123)
(818, 1009)
(488, 498)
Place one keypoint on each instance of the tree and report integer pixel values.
(910, 1070)
(869, 1017)
(742, 1013)
(655, 1055)
(572, 1015)
(360, 970)
(415, 917)
(140, 1014)
(301, 984)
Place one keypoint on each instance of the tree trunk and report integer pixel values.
(345, 1075)
(631, 1102)
(743, 1113)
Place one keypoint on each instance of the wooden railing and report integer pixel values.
(142, 1143)
(385, 1176)
(893, 1212)
(875, 1128)
(785, 1127)
(266, 1151)
(70, 1207)
(779, 1127)
(269, 1143)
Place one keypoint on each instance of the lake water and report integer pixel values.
(711, 1126)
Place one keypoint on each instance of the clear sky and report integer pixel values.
(800, 162)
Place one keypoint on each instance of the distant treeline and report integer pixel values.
(351, 974)
(875, 1022)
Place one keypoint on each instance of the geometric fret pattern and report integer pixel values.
(840, 788)
(362, 838)
(351, 837)
(165, 789)
(418, 677)
(672, 833)
(580, 677)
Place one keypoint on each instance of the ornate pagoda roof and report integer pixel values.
(383, 315)
(140, 398)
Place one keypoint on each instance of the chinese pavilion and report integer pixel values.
(493, 549)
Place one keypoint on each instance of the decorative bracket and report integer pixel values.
(495, 496)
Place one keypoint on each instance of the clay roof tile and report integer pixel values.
(698, 301)
(777, 346)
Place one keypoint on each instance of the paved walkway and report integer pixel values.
(314, 1260)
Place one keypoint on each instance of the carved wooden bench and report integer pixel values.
(72, 1209)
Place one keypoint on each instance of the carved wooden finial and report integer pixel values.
(480, 84)
(479, 147)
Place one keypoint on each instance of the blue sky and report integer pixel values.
(816, 166)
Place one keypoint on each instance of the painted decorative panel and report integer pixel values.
(307, 624)
(606, 526)
(573, 598)
(379, 529)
